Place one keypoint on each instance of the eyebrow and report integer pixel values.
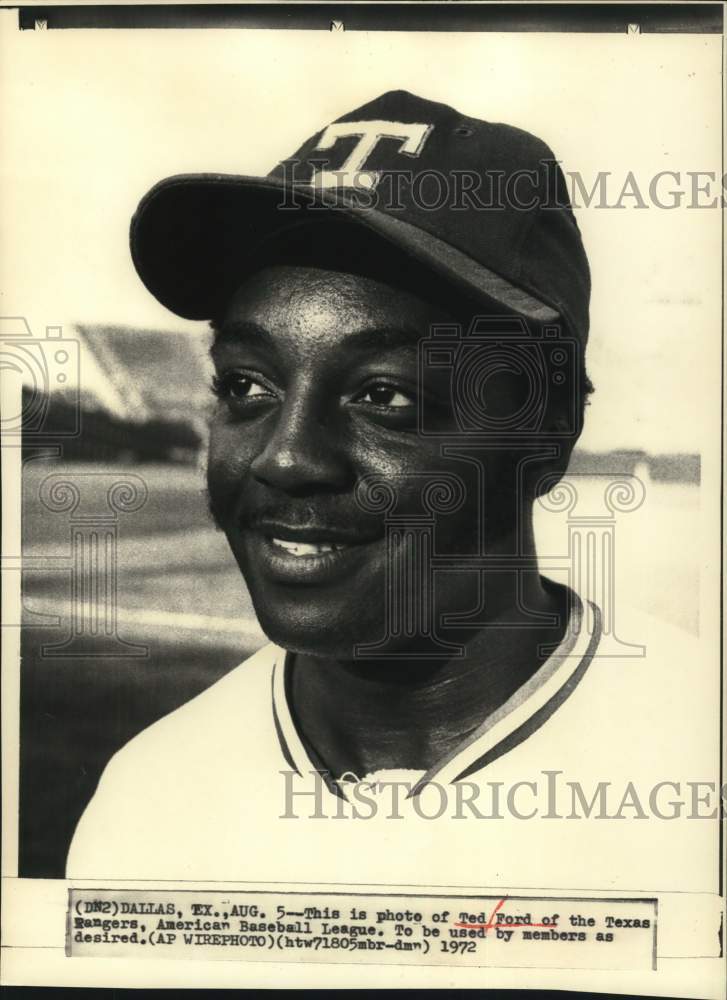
(368, 338)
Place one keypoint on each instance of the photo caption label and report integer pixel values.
(505, 931)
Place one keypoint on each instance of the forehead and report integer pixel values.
(326, 308)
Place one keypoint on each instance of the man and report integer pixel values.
(400, 314)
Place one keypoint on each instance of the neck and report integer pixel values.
(367, 715)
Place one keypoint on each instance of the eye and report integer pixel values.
(384, 395)
(240, 386)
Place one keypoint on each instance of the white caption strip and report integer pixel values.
(510, 931)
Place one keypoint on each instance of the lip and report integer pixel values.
(311, 533)
(281, 566)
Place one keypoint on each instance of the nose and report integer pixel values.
(304, 452)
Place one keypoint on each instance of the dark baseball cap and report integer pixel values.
(482, 205)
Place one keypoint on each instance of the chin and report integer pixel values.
(314, 631)
(325, 616)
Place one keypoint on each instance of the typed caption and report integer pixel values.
(504, 931)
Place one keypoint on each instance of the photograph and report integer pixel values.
(362, 453)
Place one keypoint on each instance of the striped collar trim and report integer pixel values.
(296, 755)
(503, 730)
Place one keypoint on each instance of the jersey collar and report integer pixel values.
(501, 731)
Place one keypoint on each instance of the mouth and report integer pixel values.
(305, 550)
(306, 555)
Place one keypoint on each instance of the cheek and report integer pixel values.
(405, 461)
(231, 450)
(469, 501)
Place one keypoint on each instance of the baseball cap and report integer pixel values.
(483, 205)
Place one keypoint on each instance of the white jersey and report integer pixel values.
(584, 766)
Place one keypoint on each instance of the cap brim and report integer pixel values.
(191, 238)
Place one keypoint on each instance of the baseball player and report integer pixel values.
(400, 315)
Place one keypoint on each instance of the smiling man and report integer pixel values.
(317, 359)
(400, 314)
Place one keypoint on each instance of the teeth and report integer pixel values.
(302, 549)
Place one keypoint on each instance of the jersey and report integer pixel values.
(584, 766)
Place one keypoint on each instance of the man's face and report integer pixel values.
(317, 385)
